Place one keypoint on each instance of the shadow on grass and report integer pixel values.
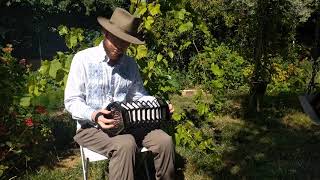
(278, 143)
(281, 142)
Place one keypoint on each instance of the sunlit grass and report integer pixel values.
(279, 143)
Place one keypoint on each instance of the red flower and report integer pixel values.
(41, 110)
(28, 122)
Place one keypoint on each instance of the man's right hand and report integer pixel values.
(104, 123)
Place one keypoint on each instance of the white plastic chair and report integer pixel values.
(91, 156)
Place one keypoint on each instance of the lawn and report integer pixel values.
(281, 142)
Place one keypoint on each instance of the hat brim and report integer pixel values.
(107, 25)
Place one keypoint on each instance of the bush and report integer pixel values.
(23, 129)
(218, 68)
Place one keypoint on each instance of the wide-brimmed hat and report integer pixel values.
(122, 25)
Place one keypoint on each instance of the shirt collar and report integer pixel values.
(103, 57)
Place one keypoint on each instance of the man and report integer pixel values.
(101, 75)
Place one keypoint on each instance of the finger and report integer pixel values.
(105, 120)
(109, 126)
(105, 126)
(104, 111)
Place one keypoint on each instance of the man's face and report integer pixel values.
(114, 46)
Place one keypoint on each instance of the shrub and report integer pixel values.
(218, 68)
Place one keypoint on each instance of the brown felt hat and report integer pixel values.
(122, 25)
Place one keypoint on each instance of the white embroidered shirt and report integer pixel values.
(93, 84)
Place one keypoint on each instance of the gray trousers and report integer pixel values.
(121, 150)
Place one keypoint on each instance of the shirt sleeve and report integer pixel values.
(74, 94)
(137, 92)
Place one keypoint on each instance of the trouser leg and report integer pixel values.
(161, 145)
(120, 150)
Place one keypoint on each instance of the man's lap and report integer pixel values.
(100, 142)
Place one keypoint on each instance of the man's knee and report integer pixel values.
(164, 142)
(126, 144)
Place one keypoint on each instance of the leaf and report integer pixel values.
(31, 89)
(180, 14)
(216, 70)
(62, 30)
(54, 67)
(43, 82)
(165, 62)
(159, 57)
(133, 1)
(176, 116)
(98, 40)
(36, 91)
(217, 84)
(25, 101)
(202, 109)
(185, 45)
(149, 21)
(151, 64)
(170, 53)
(60, 75)
(177, 138)
(204, 28)
(154, 10)
(141, 9)
(142, 51)
(198, 136)
(44, 68)
(2, 167)
(80, 37)
(68, 62)
(72, 42)
(59, 53)
(9, 143)
(65, 79)
(185, 27)
(202, 146)
(145, 82)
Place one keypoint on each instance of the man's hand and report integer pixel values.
(171, 109)
(105, 123)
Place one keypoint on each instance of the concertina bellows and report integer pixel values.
(138, 114)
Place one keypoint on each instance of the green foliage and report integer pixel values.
(14, 74)
(72, 37)
(22, 126)
(32, 95)
(191, 132)
(53, 74)
(218, 68)
(86, 6)
(289, 77)
(189, 136)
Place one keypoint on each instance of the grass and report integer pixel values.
(279, 143)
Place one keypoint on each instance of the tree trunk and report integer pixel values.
(315, 53)
(258, 85)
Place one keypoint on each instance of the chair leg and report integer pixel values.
(85, 164)
(87, 168)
